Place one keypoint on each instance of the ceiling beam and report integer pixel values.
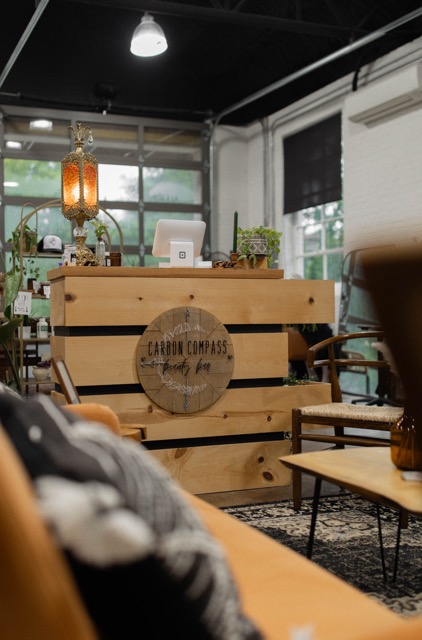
(256, 21)
(41, 5)
(375, 35)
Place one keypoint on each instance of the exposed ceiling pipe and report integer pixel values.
(29, 29)
(254, 20)
(379, 33)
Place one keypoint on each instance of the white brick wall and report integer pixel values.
(383, 168)
(383, 181)
(230, 179)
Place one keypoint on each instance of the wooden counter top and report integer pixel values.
(174, 272)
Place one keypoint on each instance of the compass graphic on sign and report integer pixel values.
(185, 359)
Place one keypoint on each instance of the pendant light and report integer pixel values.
(148, 38)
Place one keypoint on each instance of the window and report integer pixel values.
(32, 178)
(319, 233)
(174, 180)
(172, 185)
(312, 194)
(118, 182)
(145, 172)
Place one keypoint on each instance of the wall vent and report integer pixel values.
(383, 98)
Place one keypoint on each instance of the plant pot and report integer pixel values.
(260, 263)
(41, 374)
(29, 242)
(254, 245)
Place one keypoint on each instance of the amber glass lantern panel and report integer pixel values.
(70, 181)
(90, 185)
(74, 174)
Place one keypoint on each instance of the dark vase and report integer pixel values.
(406, 452)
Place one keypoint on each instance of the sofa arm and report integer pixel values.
(409, 629)
(101, 413)
(281, 590)
(96, 412)
(38, 597)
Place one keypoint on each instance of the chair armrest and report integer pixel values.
(328, 342)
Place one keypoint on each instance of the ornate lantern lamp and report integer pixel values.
(80, 191)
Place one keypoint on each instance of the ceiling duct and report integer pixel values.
(387, 97)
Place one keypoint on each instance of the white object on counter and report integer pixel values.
(42, 328)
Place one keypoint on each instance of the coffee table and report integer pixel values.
(367, 471)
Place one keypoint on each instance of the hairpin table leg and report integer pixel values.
(315, 504)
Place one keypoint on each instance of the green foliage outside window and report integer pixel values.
(322, 230)
(313, 268)
(171, 185)
(32, 178)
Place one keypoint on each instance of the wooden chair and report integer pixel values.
(93, 410)
(338, 414)
(361, 370)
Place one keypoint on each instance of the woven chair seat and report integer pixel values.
(353, 411)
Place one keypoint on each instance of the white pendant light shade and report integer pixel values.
(148, 38)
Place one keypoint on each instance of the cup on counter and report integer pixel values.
(115, 259)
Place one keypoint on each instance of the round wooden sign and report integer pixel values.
(185, 359)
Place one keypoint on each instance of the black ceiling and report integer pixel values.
(74, 54)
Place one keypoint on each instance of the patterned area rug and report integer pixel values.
(347, 544)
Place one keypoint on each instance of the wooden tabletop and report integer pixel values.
(364, 470)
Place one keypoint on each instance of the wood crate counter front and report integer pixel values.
(99, 316)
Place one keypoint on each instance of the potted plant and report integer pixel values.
(100, 232)
(23, 241)
(255, 243)
(33, 271)
(41, 370)
(11, 287)
(8, 326)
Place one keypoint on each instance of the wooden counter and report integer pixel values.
(99, 315)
